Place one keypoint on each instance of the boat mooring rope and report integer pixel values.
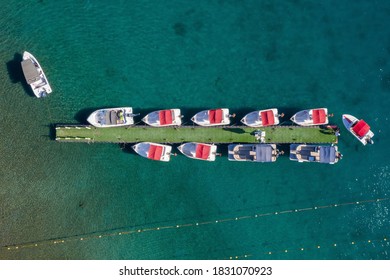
(86, 237)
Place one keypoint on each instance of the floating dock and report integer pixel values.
(223, 135)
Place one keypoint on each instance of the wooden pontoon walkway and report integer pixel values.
(229, 134)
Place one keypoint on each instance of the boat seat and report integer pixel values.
(361, 128)
(215, 116)
(318, 116)
(113, 117)
(165, 117)
(202, 151)
(155, 152)
(267, 117)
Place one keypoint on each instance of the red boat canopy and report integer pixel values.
(202, 151)
(155, 152)
(267, 117)
(361, 128)
(319, 116)
(165, 117)
(215, 116)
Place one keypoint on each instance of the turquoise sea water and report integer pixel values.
(193, 55)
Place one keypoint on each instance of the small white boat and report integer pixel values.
(161, 118)
(253, 152)
(310, 117)
(112, 117)
(212, 117)
(35, 76)
(153, 151)
(199, 151)
(314, 153)
(262, 118)
(359, 128)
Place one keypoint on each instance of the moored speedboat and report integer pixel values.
(311, 117)
(112, 117)
(35, 76)
(212, 117)
(359, 128)
(153, 151)
(199, 151)
(314, 153)
(253, 152)
(262, 118)
(163, 118)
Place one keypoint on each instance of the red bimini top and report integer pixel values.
(202, 151)
(361, 128)
(319, 116)
(267, 118)
(215, 116)
(165, 117)
(155, 152)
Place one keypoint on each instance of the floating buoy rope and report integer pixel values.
(98, 235)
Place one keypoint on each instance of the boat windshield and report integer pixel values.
(302, 116)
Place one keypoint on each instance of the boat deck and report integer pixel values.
(229, 134)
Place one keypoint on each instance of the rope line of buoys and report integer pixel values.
(315, 247)
(177, 226)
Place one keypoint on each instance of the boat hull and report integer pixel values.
(144, 150)
(253, 152)
(314, 153)
(305, 117)
(190, 150)
(203, 118)
(349, 121)
(40, 86)
(253, 119)
(104, 117)
(153, 118)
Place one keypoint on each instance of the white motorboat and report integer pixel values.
(199, 151)
(35, 76)
(161, 118)
(262, 118)
(112, 117)
(253, 152)
(153, 151)
(310, 117)
(314, 153)
(359, 128)
(212, 117)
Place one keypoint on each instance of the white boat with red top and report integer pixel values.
(310, 117)
(262, 118)
(161, 118)
(199, 151)
(359, 128)
(213, 117)
(153, 151)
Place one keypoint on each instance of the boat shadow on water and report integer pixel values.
(52, 131)
(16, 75)
(126, 148)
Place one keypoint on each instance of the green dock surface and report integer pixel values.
(230, 134)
